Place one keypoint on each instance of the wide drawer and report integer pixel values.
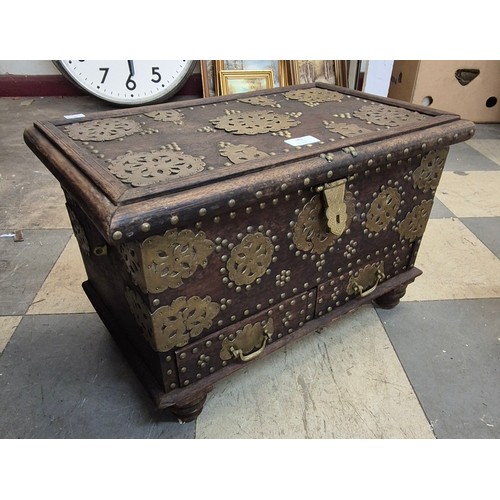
(245, 341)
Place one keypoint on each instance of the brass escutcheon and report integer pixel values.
(336, 208)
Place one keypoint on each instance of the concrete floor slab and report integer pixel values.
(471, 194)
(25, 265)
(487, 147)
(455, 265)
(63, 377)
(451, 353)
(30, 197)
(8, 324)
(487, 131)
(464, 157)
(487, 229)
(345, 382)
(62, 291)
(439, 210)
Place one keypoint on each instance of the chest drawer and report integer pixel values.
(245, 341)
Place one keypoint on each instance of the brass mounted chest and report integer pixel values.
(216, 231)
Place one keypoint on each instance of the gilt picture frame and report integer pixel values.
(311, 71)
(240, 81)
(210, 72)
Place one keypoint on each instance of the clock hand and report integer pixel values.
(131, 68)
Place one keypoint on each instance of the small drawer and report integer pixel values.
(362, 280)
(244, 341)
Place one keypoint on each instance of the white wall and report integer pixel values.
(378, 77)
(28, 68)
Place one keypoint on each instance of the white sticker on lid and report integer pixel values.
(302, 141)
(77, 115)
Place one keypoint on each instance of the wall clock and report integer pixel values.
(128, 83)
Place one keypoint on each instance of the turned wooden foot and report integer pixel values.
(391, 299)
(188, 410)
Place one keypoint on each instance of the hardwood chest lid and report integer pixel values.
(172, 150)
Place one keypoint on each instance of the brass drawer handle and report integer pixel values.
(363, 293)
(267, 334)
(238, 353)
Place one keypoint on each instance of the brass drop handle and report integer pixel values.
(363, 293)
(238, 353)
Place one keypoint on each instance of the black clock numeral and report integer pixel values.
(105, 70)
(155, 72)
(130, 84)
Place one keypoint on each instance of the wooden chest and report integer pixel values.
(216, 231)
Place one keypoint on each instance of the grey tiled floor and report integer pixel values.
(429, 368)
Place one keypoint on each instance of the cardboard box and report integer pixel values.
(470, 89)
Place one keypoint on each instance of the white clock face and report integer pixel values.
(128, 82)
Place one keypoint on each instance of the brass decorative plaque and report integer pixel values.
(426, 176)
(261, 101)
(173, 257)
(312, 232)
(389, 116)
(144, 169)
(168, 115)
(413, 226)
(346, 129)
(182, 320)
(103, 130)
(252, 123)
(383, 209)
(80, 235)
(141, 314)
(173, 325)
(239, 153)
(250, 259)
(315, 96)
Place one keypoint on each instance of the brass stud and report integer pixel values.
(146, 226)
(231, 203)
(174, 219)
(203, 211)
(307, 181)
(258, 194)
(156, 302)
(117, 235)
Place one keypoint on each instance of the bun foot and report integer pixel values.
(188, 410)
(391, 299)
